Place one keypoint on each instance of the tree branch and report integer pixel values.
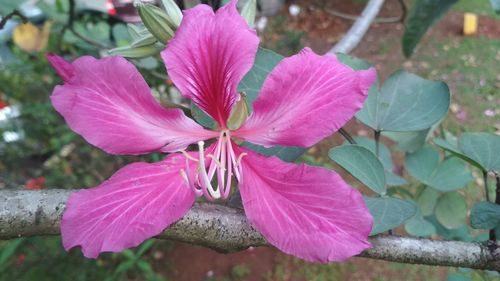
(5, 18)
(30, 213)
(359, 28)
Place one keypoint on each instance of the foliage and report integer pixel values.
(423, 14)
(406, 109)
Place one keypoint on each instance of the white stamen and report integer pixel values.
(205, 181)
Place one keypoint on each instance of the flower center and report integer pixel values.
(223, 164)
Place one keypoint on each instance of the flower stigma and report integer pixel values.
(222, 164)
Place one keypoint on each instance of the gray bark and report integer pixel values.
(352, 38)
(30, 213)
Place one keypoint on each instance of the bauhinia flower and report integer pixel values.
(306, 211)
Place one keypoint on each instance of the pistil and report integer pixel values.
(223, 163)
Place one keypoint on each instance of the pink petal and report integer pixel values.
(111, 106)
(308, 212)
(306, 98)
(209, 55)
(136, 203)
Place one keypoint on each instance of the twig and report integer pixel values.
(69, 26)
(10, 15)
(30, 213)
(347, 136)
(359, 28)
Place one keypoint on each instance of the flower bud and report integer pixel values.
(144, 41)
(173, 12)
(155, 20)
(239, 114)
(248, 12)
(137, 52)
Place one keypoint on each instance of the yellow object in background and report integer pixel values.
(30, 38)
(470, 24)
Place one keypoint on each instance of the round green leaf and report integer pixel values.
(252, 82)
(388, 212)
(449, 175)
(353, 62)
(423, 14)
(285, 153)
(484, 148)
(362, 164)
(449, 147)
(451, 210)
(410, 141)
(427, 200)
(394, 180)
(485, 215)
(420, 227)
(384, 152)
(405, 103)
(385, 157)
(458, 277)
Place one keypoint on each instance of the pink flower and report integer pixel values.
(309, 212)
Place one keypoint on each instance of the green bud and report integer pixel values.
(155, 20)
(144, 41)
(137, 52)
(248, 12)
(173, 12)
(239, 114)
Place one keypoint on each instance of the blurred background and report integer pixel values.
(37, 149)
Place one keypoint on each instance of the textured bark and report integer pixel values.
(359, 28)
(30, 213)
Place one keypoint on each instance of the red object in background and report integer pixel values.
(110, 8)
(35, 184)
(20, 259)
(3, 104)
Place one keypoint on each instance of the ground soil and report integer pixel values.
(322, 30)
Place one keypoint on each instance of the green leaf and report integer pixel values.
(145, 267)
(394, 180)
(423, 14)
(201, 117)
(485, 215)
(8, 250)
(285, 153)
(146, 245)
(448, 175)
(411, 141)
(362, 164)
(427, 200)
(458, 277)
(353, 62)
(453, 149)
(483, 148)
(388, 212)
(405, 102)
(420, 227)
(120, 34)
(265, 61)
(451, 210)
(385, 157)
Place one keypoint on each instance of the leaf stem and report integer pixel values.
(493, 235)
(377, 142)
(485, 181)
(347, 136)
